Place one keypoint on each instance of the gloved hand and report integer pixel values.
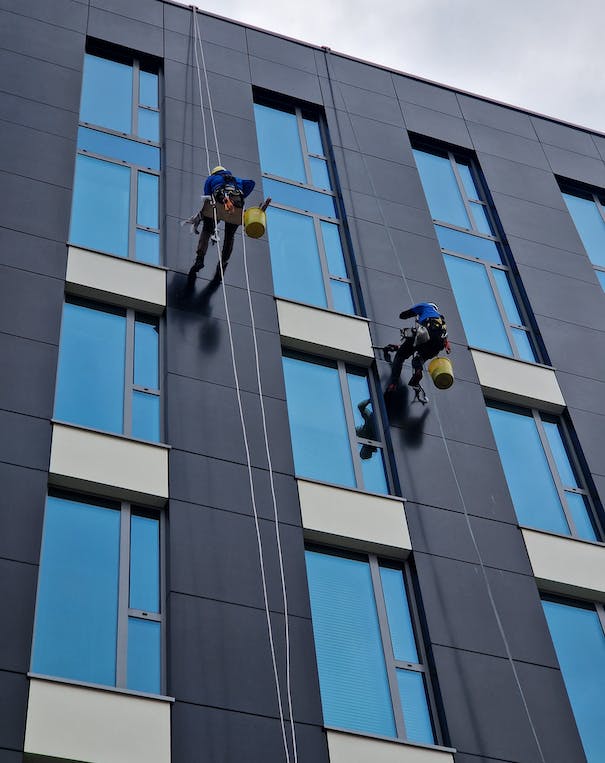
(447, 346)
(392, 347)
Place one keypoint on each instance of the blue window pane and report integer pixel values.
(148, 199)
(601, 277)
(481, 218)
(477, 305)
(372, 467)
(318, 426)
(524, 345)
(352, 672)
(146, 341)
(333, 247)
(279, 143)
(468, 181)
(118, 148)
(416, 716)
(441, 189)
(106, 94)
(146, 416)
(580, 511)
(590, 225)
(557, 447)
(149, 127)
(466, 243)
(144, 563)
(529, 478)
(363, 410)
(77, 609)
(90, 381)
(580, 646)
(319, 173)
(100, 206)
(313, 136)
(143, 672)
(147, 248)
(295, 257)
(398, 614)
(148, 89)
(301, 198)
(506, 295)
(342, 297)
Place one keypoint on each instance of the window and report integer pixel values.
(588, 214)
(544, 482)
(305, 235)
(115, 207)
(336, 435)
(578, 634)
(371, 673)
(98, 615)
(474, 256)
(108, 375)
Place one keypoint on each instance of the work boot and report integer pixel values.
(199, 263)
(416, 377)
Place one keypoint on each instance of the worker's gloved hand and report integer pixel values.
(392, 347)
(228, 204)
(447, 346)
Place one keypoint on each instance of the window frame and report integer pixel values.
(375, 562)
(135, 169)
(593, 195)
(538, 418)
(342, 368)
(127, 509)
(317, 218)
(454, 158)
(129, 387)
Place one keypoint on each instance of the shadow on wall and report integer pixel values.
(407, 415)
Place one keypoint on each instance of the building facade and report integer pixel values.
(219, 540)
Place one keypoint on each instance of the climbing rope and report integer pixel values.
(198, 43)
(327, 55)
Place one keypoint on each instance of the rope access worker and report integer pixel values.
(225, 201)
(425, 340)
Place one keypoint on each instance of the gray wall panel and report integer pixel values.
(40, 81)
(30, 305)
(71, 14)
(493, 115)
(38, 155)
(148, 11)
(18, 596)
(435, 124)
(48, 42)
(52, 205)
(137, 35)
(516, 148)
(521, 181)
(221, 32)
(28, 371)
(286, 80)
(13, 702)
(24, 440)
(21, 511)
(424, 94)
(280, 51)
(576, 166)
(564, 136)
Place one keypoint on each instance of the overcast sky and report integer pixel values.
(543, 55)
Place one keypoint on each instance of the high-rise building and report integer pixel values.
(220, 542)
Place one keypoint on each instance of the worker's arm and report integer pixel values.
(246, 185)
(411, 312)
(208, 186)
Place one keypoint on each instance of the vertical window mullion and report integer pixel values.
(503, 315)
(387, 647)
(136, 69)
(555, 473)
(346, 399)
(303, 145)
(129, 372)
(462, 192)
(132, 212)
(601, 615)
(323, 261)
(123, 597)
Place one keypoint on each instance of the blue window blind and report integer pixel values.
(579, 641)
(539, 474)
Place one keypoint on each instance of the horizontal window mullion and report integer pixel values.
(298, 184)
(148, 108)
(409, 666)
(319, 156)
(145, 227)
(469, 231)
(127, 136)
(121, 162)
(365, 441)
(299, 211)
(340, 278)
(141, 614)
(148, 390)
(472, 258)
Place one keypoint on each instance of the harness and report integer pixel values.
(229, 190)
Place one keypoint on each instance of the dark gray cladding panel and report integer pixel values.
(32, 253)
(361, 75)
(233, 737)
(280, 51)
(229, 96)
(117, 29)
(17, 598)
(493, 115)
(552, 259)
(507, 145)
(22, 497)
(380, 139)
(38, 155)
(564, 136)
(38, 39)
(582, 393)
(41, 116)
(436, 124)
(589, 429)
(225, 485)
(27, 382)
(52, 205)
(521, 181)
(367, 103)
(40, 81)
(13, 709)
(286, 80)
(71, 14)
(219, 31)
(218, 558)
(148, 11)
(424, 94)
(10, 756)
(214, 645)
(575, 349)
(24, 440)
(574, 166)
(181, 78)
(30, 305)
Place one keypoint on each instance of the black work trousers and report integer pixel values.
(424, 352)
(208, 228)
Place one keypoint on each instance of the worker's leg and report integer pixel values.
(202, 246)
(403, 353)
(230, 229)
(425, 352)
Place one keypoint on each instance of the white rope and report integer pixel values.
(443, 437)
(245, 437)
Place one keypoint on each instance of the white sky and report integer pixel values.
(543, 55)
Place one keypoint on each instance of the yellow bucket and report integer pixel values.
(255, 222)
(441, 373)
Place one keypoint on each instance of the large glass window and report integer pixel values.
(544, 483)
(108, 375)
(336, 435)
(99, 614)
(371, 671)
(115, 207)
(588, 214)
(578, 634)
(474, 255)
(305, 234)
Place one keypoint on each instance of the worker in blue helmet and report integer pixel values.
(228, 191)
(424, 340)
